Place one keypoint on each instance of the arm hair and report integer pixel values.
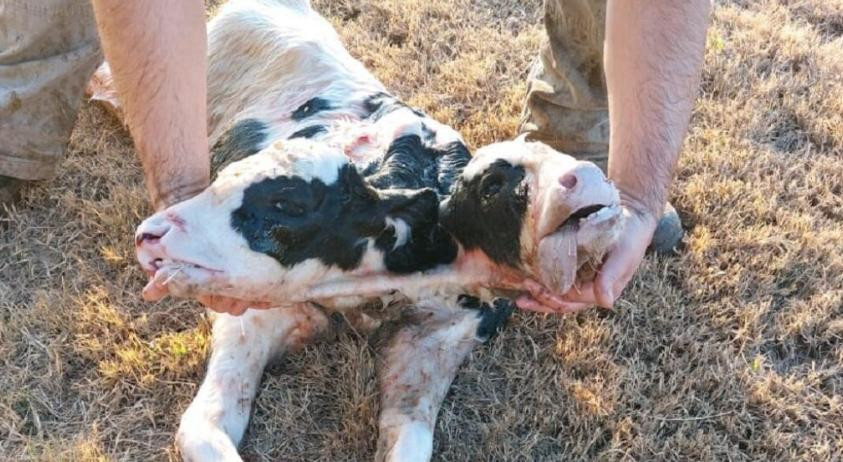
(653, 60)
(157, 53)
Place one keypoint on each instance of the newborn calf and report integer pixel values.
(333, 198)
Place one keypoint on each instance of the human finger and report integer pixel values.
(530, 304)
(614, 275)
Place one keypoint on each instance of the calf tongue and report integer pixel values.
(557, 259)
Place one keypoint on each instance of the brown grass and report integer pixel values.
(730, 351)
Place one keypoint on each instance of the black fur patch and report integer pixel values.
(310, 108)
(452, 162)
(380, 104)
(410, 164)
(493, 317)
(488, 211)
(293, 220)
(309, 132)
(407, 164)
(428, 244)
(243, 139)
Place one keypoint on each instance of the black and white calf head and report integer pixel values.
(333, 216)
(291, 216)
(298, 214)
(530, 207)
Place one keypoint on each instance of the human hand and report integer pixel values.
(619, 265)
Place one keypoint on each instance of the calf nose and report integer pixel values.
(568, 180)
(151, 231)
(582, 178)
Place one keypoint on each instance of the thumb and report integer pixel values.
(615, 274)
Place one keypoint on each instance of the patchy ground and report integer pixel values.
(732, 350)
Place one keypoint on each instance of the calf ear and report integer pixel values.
(355, 187)
(421, 244)
(414, 207)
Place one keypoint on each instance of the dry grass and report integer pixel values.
(730, 351)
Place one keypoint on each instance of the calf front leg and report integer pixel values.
(420, 361)
(213, 425)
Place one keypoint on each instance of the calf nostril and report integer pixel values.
(568, 181)
(146, 237)
(152, 230)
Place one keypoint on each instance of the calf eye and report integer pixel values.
(289, 208)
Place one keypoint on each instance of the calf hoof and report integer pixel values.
(205, 443)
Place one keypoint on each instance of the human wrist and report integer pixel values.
(643, 189)
(168, 196)
(647, 212)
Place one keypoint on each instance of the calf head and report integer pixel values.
(534, 210)
(298, 215)
(284, 219)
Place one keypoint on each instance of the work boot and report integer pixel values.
(9, 190)
(668, 232)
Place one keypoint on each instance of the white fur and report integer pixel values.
(300, 158)
(417, 369)
(269, 57)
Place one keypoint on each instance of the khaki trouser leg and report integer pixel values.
(566, 105)
(48, 51)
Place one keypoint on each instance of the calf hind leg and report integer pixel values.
(417, 367)
(213, 425)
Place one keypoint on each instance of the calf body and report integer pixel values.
(330, 195)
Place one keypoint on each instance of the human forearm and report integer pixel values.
(654, 53)
(157, 53)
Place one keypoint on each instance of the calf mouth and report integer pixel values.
(581, 240)
(157, 264)
(584, 214)
(587, 217)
